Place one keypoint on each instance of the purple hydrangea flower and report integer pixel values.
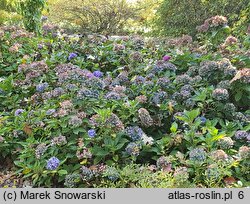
(72, 55)
(90, 75)
(202, 119)
(91, 133)
(41, 87)
(40, 46)
(53, 163)
(241, 134)
(98, 74)
(166, 58)
(18, 112)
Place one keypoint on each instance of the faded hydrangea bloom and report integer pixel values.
(113, 96)
(242, 76)
(81, 115)
(114, 122)
(145, 117)
(226, 143)
(84, 154)
(159, 97)
(87, 173)
(164, 82)
(220, 94)
(183, 79)
(181, 174)
(147, 140)
(141, 99)
(75, 121)
(219, 155)
(164, 163)
(244, 152)
(66, 104)
(136, 56)
(60, 140)
(111, 173)
(71, 180)
(133, 149)
(212, 171)
(40, 150)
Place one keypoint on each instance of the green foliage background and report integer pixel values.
(175, 17)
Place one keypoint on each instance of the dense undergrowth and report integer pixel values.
(93, 111)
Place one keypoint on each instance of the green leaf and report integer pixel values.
(192, 114)
(62, 172)
(174, 127)
(238, 96)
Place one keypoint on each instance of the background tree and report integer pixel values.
(175, 17)
(98, 16)
(31, 10)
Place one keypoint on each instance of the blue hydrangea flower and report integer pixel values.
(72, 56)
(202, 119)
(197, 154)
(135, 133)
(53, 163)
(18, 112)
(41, 87)
(98, 74)
(91, 133)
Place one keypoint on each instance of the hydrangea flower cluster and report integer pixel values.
(241, 134)
(212, 172)
(53, 163)
(181, 174)
(244, 152)
(87, 173)
(164, 163)
(72, 56)
(40, 150)
(19, 112)
(220, 94)
(91, 133)
(197, 155)
(145, 117)
(219, 155)
(135, 133)
(41, 87)
(112, 173)
(226, 143)
(71, 180)
(60, 140)
(133, 149)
